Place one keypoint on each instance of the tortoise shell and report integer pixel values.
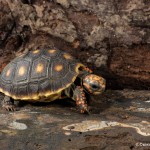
(39, 73)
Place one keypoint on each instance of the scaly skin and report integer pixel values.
(79, 97)
(8, 104)
(88, 70)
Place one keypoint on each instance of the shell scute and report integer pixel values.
(39, 73)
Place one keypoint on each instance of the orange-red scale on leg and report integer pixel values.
(80, 99)
(88, 70)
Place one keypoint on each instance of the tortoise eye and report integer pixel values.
(95, 86)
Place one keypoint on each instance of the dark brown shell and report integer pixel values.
(39, 73)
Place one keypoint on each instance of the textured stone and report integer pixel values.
(118, 119)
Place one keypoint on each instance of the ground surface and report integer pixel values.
(119, 120)
(112, 38)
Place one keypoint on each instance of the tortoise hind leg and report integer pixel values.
(8, 104)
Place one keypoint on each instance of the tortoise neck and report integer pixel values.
(83, 74)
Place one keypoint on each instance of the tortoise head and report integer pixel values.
(94, 84)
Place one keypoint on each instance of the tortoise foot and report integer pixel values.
(9, 107)
(8, 104)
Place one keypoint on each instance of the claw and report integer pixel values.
(85, 111)
(9, 107)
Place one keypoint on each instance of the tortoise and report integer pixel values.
(47, 74)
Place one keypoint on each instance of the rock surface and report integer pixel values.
(119, 120)
(112, 37)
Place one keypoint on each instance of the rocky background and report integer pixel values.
(112, 37)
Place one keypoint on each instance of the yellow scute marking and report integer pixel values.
(51, 51)
(67, 56)
(35, 51)
(21, 71)
(58, 67)
(39, 68)
(8, 73)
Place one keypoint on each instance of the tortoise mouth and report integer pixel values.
(99, 92)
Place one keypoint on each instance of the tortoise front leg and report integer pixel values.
(79, 97)
(8, 104)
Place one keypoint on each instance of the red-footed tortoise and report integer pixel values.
(47, 75)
